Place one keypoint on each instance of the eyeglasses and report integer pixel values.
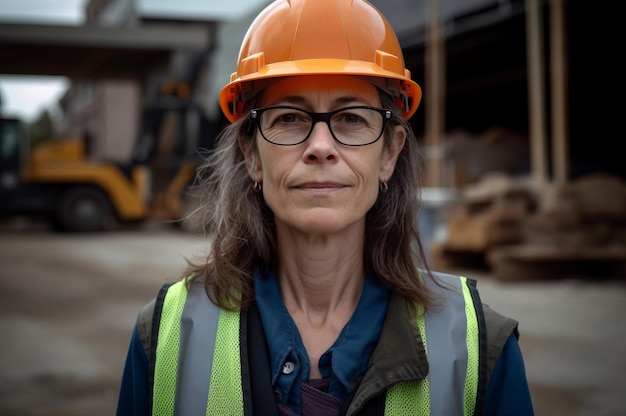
(350, 126)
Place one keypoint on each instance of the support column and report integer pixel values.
(434, 92)
(558, 82)
(536, 92)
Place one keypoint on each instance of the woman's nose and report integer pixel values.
(321, 145)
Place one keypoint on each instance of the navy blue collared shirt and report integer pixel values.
(343, 363)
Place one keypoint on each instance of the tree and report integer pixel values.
(41, 129)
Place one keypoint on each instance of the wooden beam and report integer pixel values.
(536, 92)
(434, 91)
(558, 82)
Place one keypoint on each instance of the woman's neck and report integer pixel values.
(321, 273)
(321, 279)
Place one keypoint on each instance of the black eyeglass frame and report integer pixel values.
(255, 115)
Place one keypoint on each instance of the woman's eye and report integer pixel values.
(292, 118)
(351, 118)
(287, 118)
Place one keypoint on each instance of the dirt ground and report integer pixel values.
(68, 303)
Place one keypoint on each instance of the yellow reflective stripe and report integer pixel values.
(225, 391)
(407, 398)
(472, 339)
(166, 364)
(423, 388)
(410, 397)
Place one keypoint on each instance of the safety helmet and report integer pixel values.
(313, 37)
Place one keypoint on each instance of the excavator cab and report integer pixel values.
(12, 141)
(58, 182)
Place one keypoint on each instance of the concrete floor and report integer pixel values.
(68, 303)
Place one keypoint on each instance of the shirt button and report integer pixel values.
(288, 367)
(278, 397)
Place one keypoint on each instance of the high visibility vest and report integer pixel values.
(198, 356)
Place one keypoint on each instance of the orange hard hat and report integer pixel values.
(313, 37)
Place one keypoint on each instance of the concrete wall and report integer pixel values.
(106, 115)
(119, 119)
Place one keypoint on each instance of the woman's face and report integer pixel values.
(321, 186)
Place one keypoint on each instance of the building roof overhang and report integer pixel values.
(94, 52)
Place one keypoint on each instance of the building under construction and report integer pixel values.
(515, 124)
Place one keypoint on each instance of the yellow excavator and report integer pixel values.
(57, 181)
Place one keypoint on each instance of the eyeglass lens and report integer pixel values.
(354, 126)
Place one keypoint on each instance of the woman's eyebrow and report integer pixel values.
(349, 100)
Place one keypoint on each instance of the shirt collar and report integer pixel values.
(346, 360)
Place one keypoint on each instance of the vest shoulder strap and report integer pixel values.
(144, 325)
(259, 377)
(149, 313)
(443, 328)
(155, 323)
(499, 328)
(186, 329)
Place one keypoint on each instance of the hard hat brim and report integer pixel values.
(232, 92)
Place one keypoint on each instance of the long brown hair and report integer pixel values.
(242, 233)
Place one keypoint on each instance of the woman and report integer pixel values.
(315, 298)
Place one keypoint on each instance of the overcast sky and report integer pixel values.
(26, 97)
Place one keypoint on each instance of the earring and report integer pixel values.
(257, 186)
(383, 186)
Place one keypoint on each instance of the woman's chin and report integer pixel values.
(322, 223)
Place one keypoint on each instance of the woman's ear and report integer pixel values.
(250, 154)
(391, 153)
